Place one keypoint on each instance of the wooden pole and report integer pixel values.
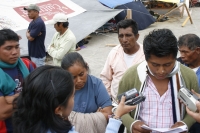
(188, 13)
(185, 21)
(129, 14)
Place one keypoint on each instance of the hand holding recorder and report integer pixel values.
(195, 115)
(188, 98)
(127, 101)
(122, 108)
(132, 97)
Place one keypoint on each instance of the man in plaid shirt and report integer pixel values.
(159, 78)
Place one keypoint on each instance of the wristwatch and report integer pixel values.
(114, 109)
(115, 117)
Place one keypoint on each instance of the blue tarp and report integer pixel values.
(114, 3)
(139, 13)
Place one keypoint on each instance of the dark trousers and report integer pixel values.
(195, 128)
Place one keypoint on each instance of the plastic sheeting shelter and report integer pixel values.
(81, 25)
(139, 13)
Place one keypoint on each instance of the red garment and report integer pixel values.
(27, 62)
(3, 127)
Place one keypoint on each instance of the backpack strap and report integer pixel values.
(27, 62)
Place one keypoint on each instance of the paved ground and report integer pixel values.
(97, 50)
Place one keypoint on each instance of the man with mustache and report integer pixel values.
(123, 56)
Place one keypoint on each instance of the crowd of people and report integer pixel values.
(66, 98)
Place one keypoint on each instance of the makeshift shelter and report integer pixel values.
(82, 22)
(139, 13)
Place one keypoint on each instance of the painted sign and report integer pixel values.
(47, 10)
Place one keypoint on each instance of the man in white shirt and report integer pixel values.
(123, 56)
(63, 40)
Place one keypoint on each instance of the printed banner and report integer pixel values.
(14, 16)
(47, 10)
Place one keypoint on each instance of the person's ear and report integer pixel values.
(137, 36)
(197, 50)
(87, 66)
(58, 111)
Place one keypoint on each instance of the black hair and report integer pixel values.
(65, 24)
(46, 88)
(8, 35)
(128, 23)
(71, 58)
(160, 43)
(191, 41)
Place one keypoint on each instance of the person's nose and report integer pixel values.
(14, 51)
(124, 39)
(79, 79)
(182, 55)
(161, 70)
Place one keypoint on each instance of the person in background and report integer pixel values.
(90, 95)
(63, 40)
(48, 93)
(35, 34)
(159, 78)
(123, 56)
(189, 47)
(195, 115)
(12, 74)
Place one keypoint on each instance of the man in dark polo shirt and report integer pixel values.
(36, 35)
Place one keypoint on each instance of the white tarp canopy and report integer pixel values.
(84, 17)
(16, 17)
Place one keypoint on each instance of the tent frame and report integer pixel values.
(183, 6)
